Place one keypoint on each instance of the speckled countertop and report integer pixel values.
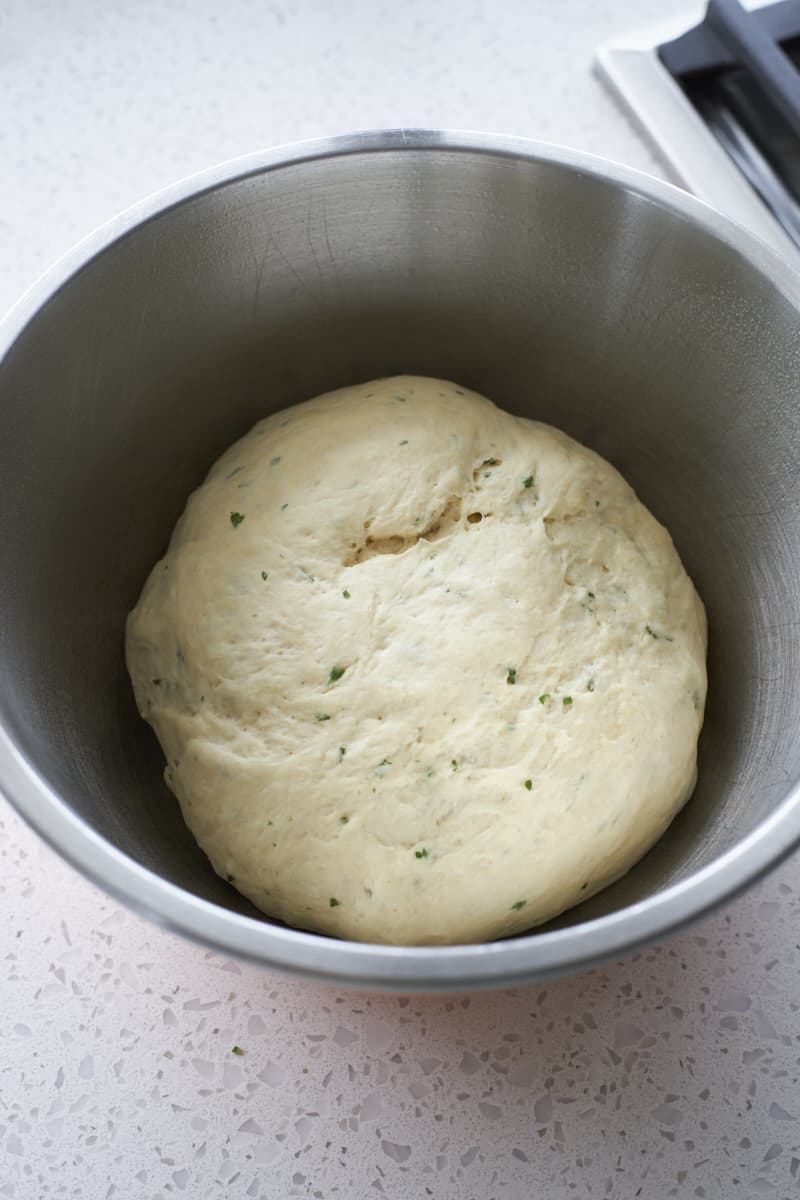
(672, 1073)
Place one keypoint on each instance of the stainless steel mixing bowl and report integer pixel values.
(566, 289)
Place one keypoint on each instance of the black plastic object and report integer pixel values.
(739, 69)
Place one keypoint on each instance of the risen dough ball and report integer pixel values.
(423, 672)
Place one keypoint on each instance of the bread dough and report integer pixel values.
(423, 672)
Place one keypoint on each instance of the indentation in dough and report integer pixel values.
(484, 468)
(439, 525)
(447, 518)
(475, 518)
(550, 521)
(373, 546)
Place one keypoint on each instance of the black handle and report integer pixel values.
(751, 45)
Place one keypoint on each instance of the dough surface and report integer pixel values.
(423, 672)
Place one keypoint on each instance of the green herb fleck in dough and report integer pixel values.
(529, 784)
(597, 503)
(334, 903)
(518, 904)
(404, 442)
(346, 594)
(284, 506)
(545, 696)
(420, 854)
(591, 595)
(590, 686)
(156, 682)
(343, 820)
(323, 716)
(453, 764)
(236, 518)
(342, 752)
(528, 481)
(273, 462)
(659, 637)
(336, 673)
(237, 1050)
(511, 677)
(385, 762)
(264, 575)
(567, 701)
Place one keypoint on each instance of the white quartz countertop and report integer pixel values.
(671, 1073)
